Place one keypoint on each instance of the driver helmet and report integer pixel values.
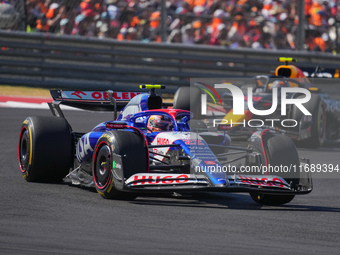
(159, 123)
(277, 84)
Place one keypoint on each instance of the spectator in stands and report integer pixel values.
(266, 24)
(175, 36)
(264, 42)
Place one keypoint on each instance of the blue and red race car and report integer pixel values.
(151, 147)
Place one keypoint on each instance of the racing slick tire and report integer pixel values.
(130, 147)
(197, 125)
(188, 98)
(279, 150)
(266, 199)
(318, 128)
(45, 150)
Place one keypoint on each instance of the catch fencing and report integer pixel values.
(75, 62)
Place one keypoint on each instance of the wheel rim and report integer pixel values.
(24, 150)
(102, 171)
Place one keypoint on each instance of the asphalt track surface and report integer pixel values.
(38, 218)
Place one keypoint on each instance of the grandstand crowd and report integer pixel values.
(257, 24)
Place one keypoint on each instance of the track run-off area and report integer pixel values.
(39, 218)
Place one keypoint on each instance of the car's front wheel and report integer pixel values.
(279, 151)
(118, 155)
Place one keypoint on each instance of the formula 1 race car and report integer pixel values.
(151, 147)
(307, 130)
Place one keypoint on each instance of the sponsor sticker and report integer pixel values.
(98, 95)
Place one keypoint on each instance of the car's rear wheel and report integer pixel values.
(45, 151)
(280, 151)
(318, 127)
(108, 174)
(197, 125)
(188, 98)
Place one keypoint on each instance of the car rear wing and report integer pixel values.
(90, 100)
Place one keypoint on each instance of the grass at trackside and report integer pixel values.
(23, 91)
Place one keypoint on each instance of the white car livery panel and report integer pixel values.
(192, 140)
